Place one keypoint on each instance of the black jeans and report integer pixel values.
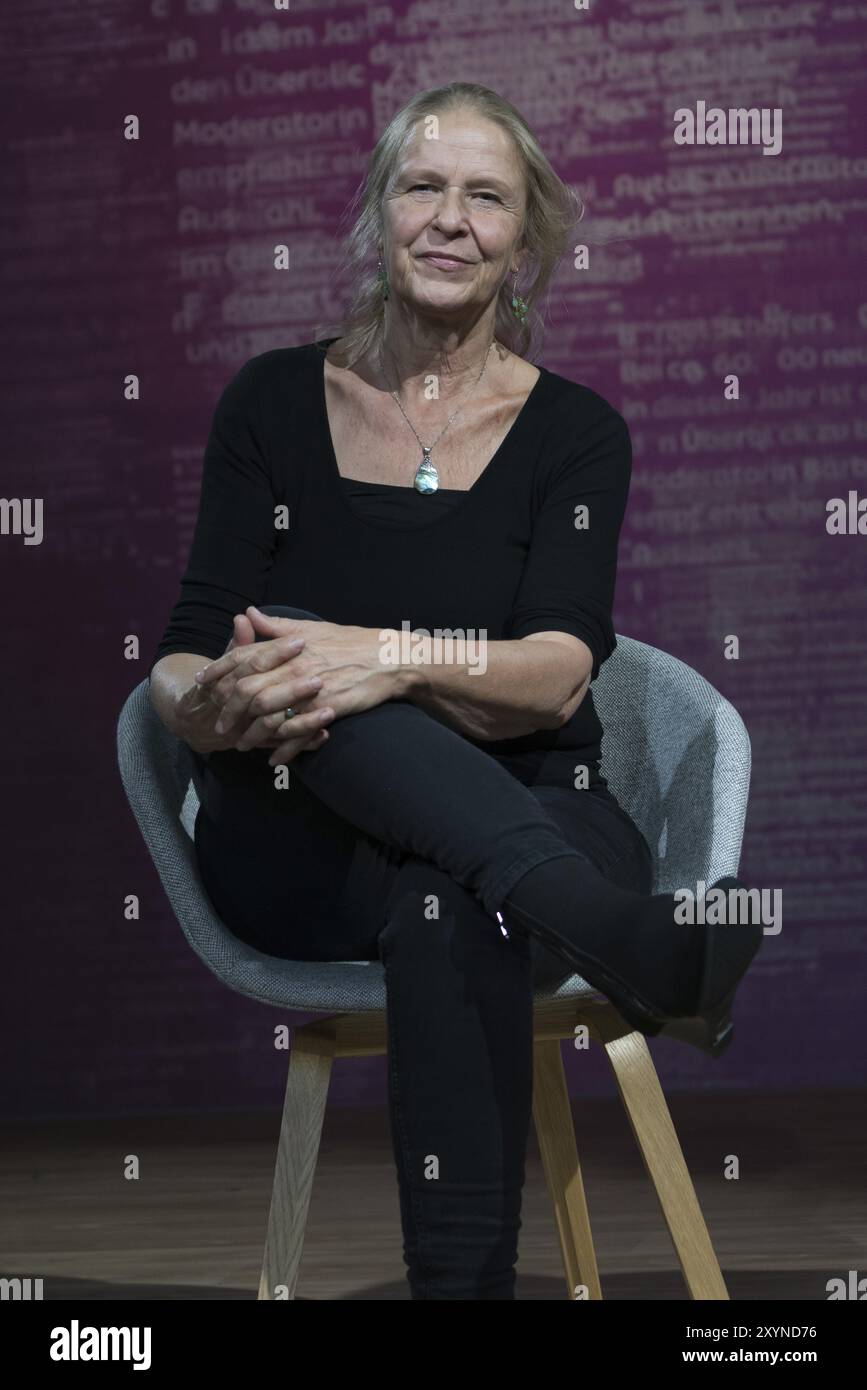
(397, 841)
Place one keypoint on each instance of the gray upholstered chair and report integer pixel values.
(677, 756)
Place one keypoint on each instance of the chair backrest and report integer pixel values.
(156, 770)
(676, 755)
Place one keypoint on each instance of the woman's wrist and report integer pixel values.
(194, 719)
(396, 656)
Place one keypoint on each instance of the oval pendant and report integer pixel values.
(427, 478)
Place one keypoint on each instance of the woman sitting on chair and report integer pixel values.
(371, 505)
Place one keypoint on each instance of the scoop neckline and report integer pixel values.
(397, 487)
(466, 493)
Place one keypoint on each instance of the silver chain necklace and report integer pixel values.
(426, 478)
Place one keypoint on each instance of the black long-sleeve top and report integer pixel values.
(503, 559)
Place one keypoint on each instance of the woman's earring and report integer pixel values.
(520, 307)
(382, 280)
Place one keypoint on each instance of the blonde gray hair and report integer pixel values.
(552, 210)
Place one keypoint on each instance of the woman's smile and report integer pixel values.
(443, 262)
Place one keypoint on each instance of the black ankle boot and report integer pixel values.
(668, 980)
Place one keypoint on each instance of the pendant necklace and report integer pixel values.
(427, 479)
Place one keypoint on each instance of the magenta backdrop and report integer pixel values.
(154, 257)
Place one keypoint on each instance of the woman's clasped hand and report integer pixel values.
(321, 670)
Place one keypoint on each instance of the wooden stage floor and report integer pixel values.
(193, 1225)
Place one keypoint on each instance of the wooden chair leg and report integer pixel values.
(300, 1132)
(552, 1115)
(663, 1157)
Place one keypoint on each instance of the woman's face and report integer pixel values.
(460, 195)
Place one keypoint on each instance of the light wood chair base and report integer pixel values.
(316, 1045)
